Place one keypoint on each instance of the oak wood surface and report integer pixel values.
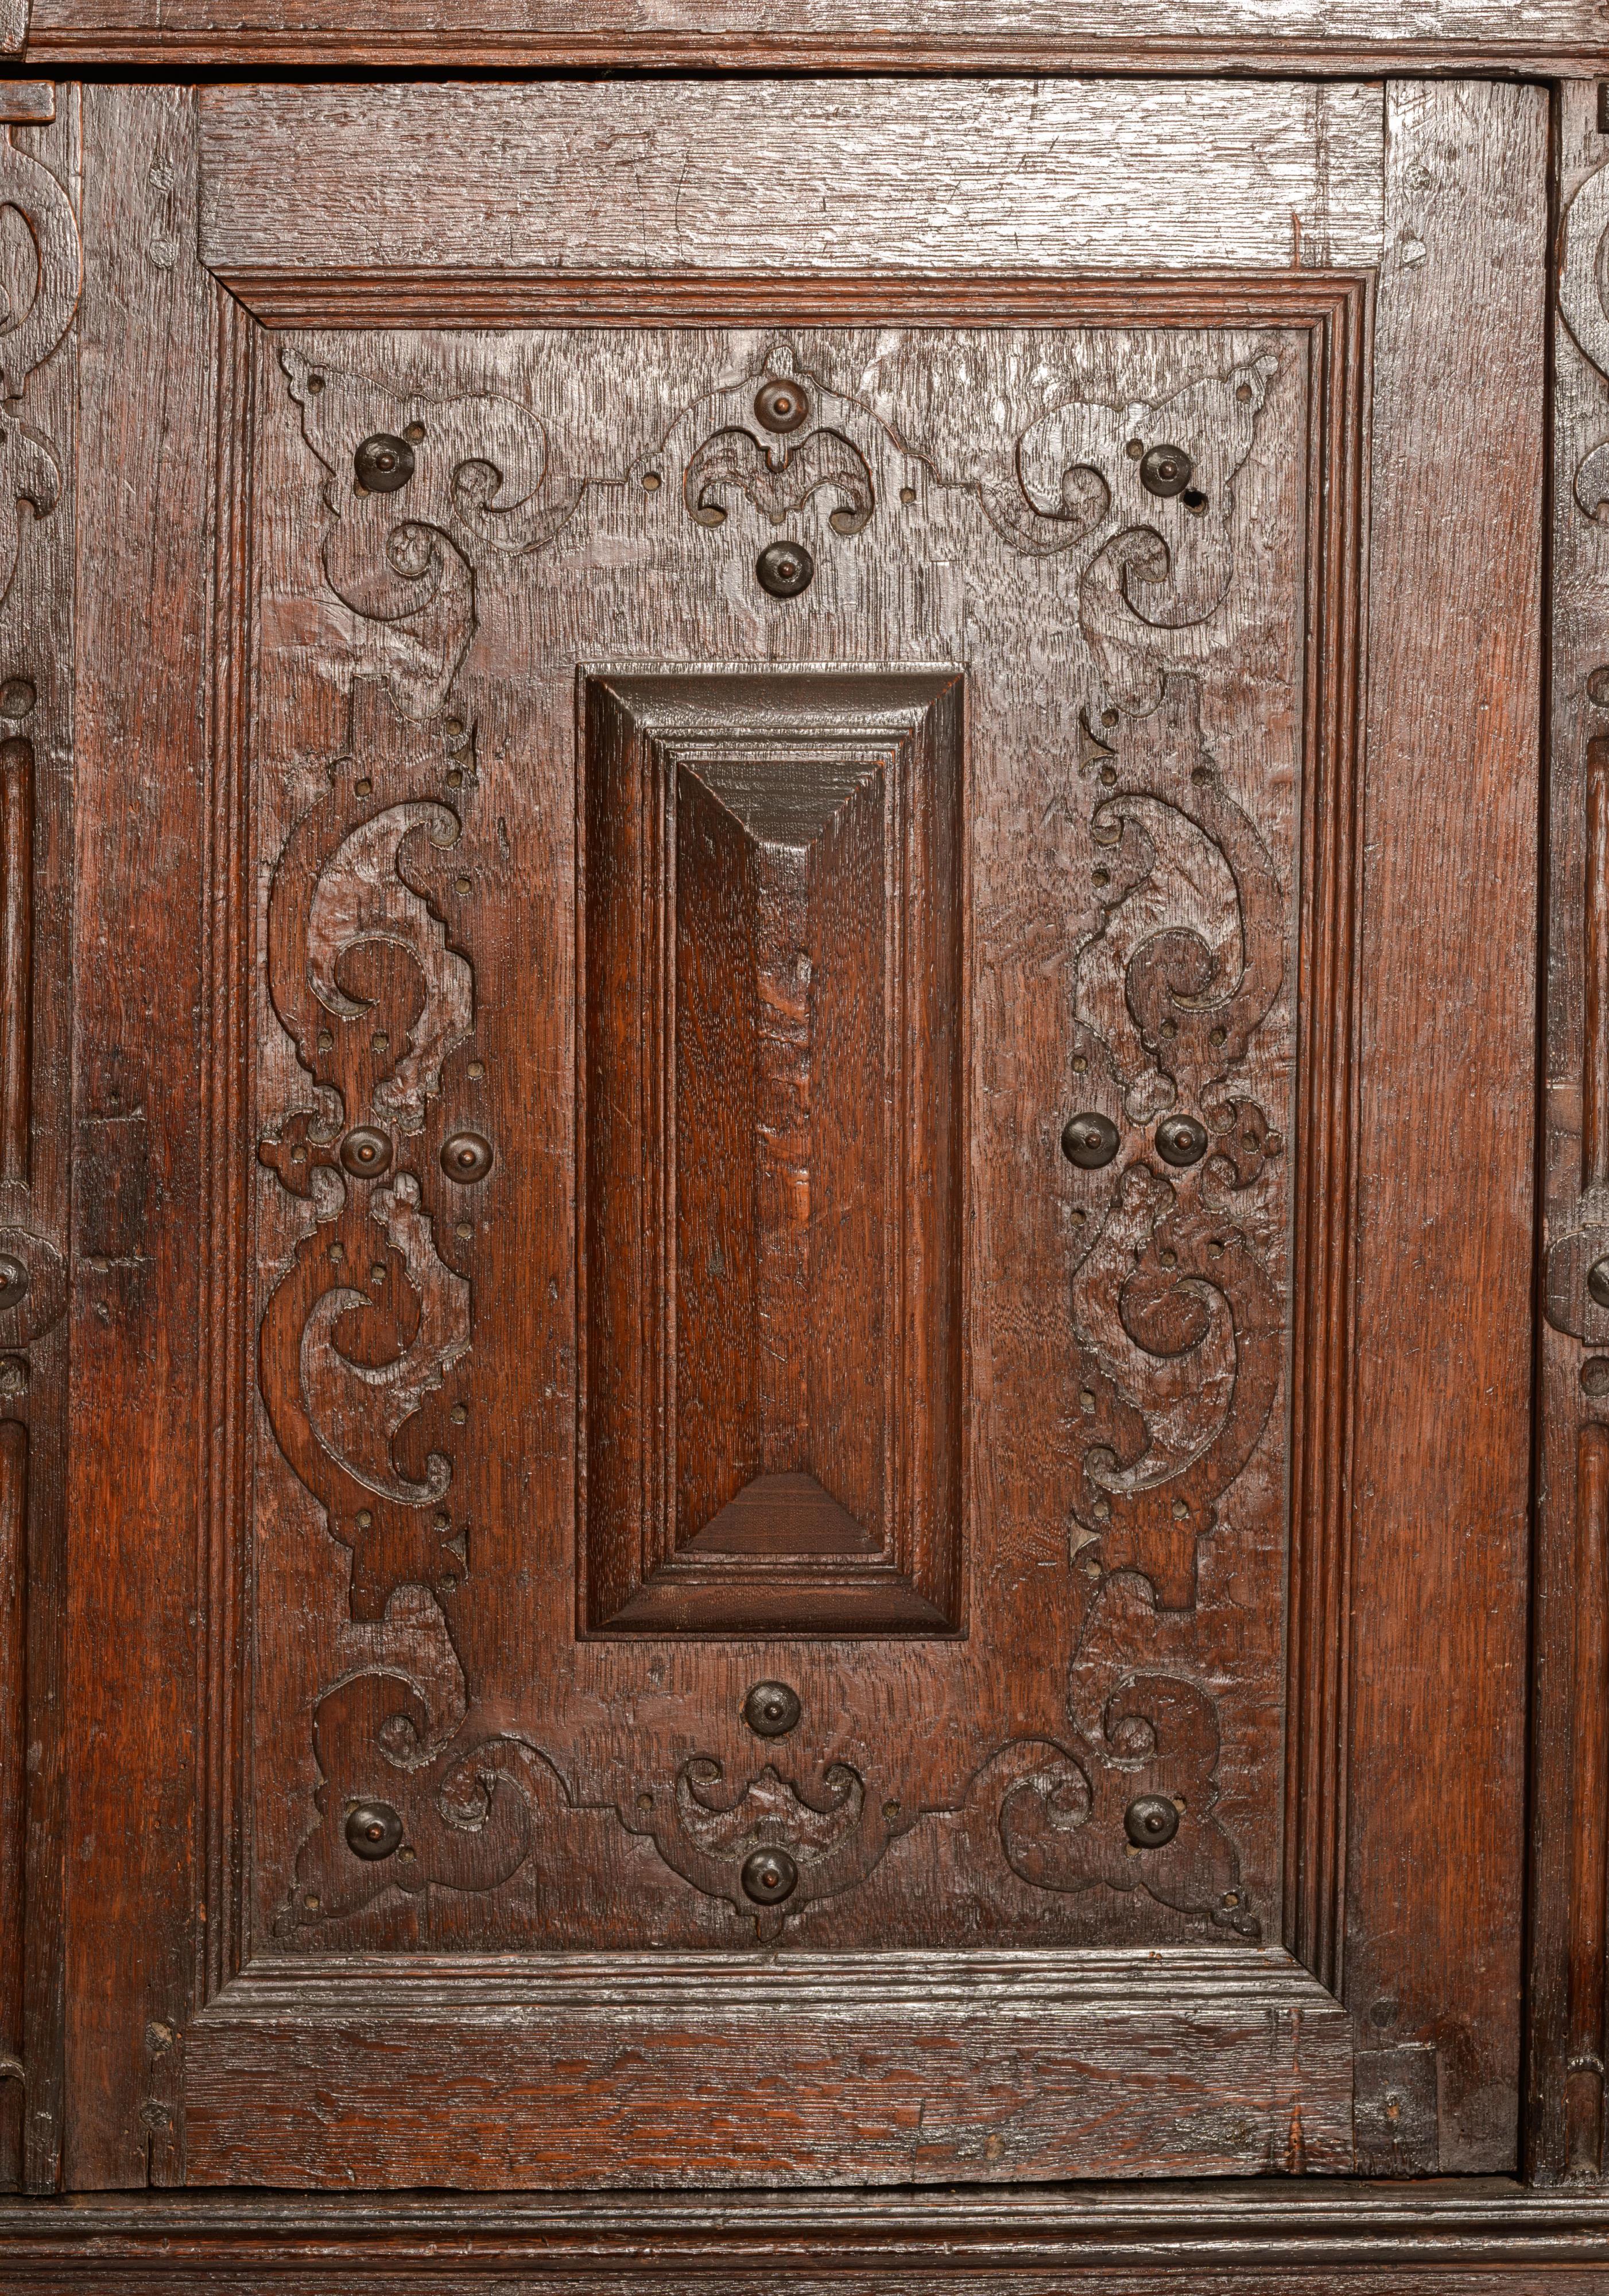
(310, 689)
(136, 1622)
(1448, 1018)
(1570, 1758)
(630, 180)
(40, 164)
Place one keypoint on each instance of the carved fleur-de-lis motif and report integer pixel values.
(780, 477)
(832, 1836)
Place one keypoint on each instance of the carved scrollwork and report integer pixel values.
(403, 556)
(1583, 244)
(1132, 1809)
(30, 469)
(710, 1834)
(365, 1327)
(401, 1807)
(1144, 495)
(1178, 1323)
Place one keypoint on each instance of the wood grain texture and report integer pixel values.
(933, 2047)
(1351, 37)
(1435, 1881)
(771, 1121)
(137, 1585)
(1459, 2236)
(644, 179)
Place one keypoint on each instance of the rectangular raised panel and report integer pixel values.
(771, 1104)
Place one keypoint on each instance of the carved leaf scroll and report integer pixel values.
(404, 561)
(374, 1315)
(1177, 1322)
(467, 1805)
(1060, 1812)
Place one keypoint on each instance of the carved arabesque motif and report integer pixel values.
(373, 1314)
(1178, 1323)
(1060, 1813)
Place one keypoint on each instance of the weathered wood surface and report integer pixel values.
(1150, 36)
(1447, 1064)
(818, 178)
(984, 2067)
(397, 672)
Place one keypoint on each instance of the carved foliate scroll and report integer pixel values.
(363, 1332)
(403, 556)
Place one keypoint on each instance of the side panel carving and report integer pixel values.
(41, 274)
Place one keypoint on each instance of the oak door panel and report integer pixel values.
(780, 1133)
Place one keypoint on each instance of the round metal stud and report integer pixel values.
(1150, 1820)
(771, 1710)
(383, 464)
(1181, 1140)
(466, 1157)
(783, 568)
(14, 1280)
(781, 405)
(1165, 471)
(769, 1876)
(374, 1831)
(366, 1152)
(17, 697)
(1597, 1281)
(1089, 1140)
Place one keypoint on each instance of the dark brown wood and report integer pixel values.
(13, 1792)
(39, 165)
(570, 1211)
(1444, 1251)
(138, 1617)
(770, 1047)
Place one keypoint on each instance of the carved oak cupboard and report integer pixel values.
(804, 1161)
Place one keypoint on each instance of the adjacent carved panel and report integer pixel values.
(41, 271)
(1570, 1874)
